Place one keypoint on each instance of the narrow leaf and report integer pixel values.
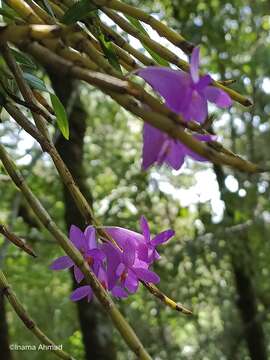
(23, 59)
(109, 52)
(48, 7)
(79, 11)
(35, 82)
(137, 24)
(61, 115)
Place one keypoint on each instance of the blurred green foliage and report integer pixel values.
(195, 268)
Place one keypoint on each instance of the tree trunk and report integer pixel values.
(246, 295)
(95, 326)
(4, 339)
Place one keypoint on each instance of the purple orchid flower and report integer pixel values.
(125, 270)
(147, 250)
(145, 247)
(186, 94)
(87, 245)
(86, 290)
(159, 148)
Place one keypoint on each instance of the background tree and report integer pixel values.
(217, 264)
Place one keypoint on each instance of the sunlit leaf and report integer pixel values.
(136, 23)
(35, 82)
(61, 115)
(79, 11)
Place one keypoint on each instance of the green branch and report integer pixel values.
(18, 307)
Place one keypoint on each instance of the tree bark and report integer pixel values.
(4, 338)
(246, 295)
(95, 326)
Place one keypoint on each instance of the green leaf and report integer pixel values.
(109, 52)
(35, 82)
(7, 13)
(48, 7)
(79, 11)
(23, 59)
(137, 24)
(61, 115)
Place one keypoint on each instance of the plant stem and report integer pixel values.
(120, 323)
(18, 307)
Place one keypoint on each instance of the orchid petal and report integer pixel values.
(171, 84)
(162, 237)
(77, 237)
(120, 269)
(176, 155)
(141, 264)
(152, 143)
(81, 292)
(120, 235)
(119, 292)
(96, 254)
(142, 252)
(90, 236)
(194, 64)
(197, 109)
(103, 278)
(203, 82)
(78, 274)
(113, 260)
(146, 275)
(218, 97)
(131, 282)
(129, 251)
(63, 262)
(145, 229)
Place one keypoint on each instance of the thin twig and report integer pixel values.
(120, 323)
(6, 290)
(16, 240)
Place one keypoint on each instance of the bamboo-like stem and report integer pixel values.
(120, 323)
(49, 36)
(56, 9)
(163, 30)
(45, 33)
(166, 300)
(123, 43)
(43, 110)
(25, 11)
(29, 15)
(168, 54)
(169, 302)
(24, 87)
(20, 310)
(81, 43)
(177, 132)
(157, 119)
(48, 147)
(44, 54)
(16, 240)
(48, 19)
(120, 41)
(30, 128)
(17, 33)
(67, 68)
(49, 32)
(63, 6)
(70, 54)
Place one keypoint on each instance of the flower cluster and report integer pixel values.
(185, 94)
(119, 269)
